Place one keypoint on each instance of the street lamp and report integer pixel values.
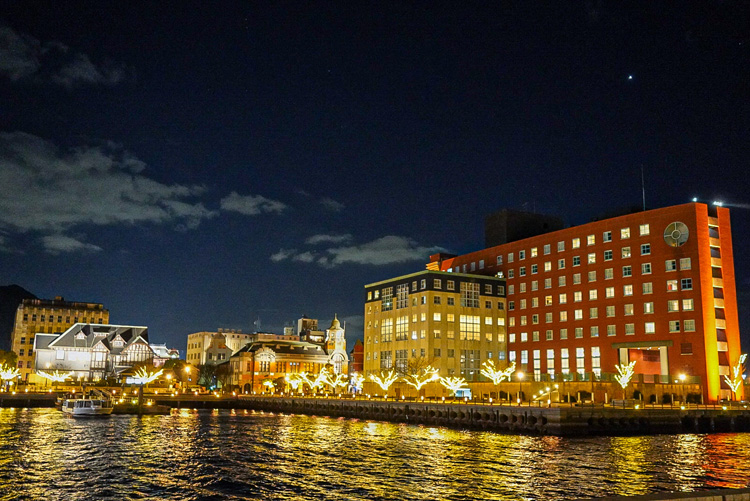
(519, 375)
(682, 388)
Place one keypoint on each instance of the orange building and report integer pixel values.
(656, 286)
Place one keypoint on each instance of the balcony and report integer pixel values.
(718, 302)
(722, 346)
(721, 323)
(713, 242)
(718, 282)
(716, 262)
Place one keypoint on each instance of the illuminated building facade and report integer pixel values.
(198, 344)
(656, 286)
(273, 358)
(450, 321)
(50, 316)
(93, 351)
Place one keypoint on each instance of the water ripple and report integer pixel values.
(228, 455)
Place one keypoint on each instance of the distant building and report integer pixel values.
(92, 351)
(162, 354)
(50, 316)
(198, 343)
(275, 358)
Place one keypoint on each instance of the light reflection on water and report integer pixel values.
(247, 455)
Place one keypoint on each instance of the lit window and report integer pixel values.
(561, 281)
(524, 337)
(645, 268)
(548, 266)
(607, 236)
(591, 240)
(576, 243)
(549, 336)
(592, 258)
(511, 289)
(671, 285)
(563, 316)
(563, 298)
(687, 305)
(610, 311)
(576, 278)
(560, 246)
(437, 283)
(629, 329)
(578, 314)
(594, 331)
(627, 290)
(628, 309)
(592, 295)
(579, 332)
(592, 276)
(674, 326)
(611, 330)
(535, 302)
(522, 287)
(625, 252)
(625, 233)
(593, 312)
(563, 334)
(689, 325)
(673, 305)
(644, 229)
(609, 274)
(547, 283)
(533, 252)
(546, 249)
(577, 296)
(685, 263)
(548, 318)
(650, 327)
(648, 287)
(510, 257)
(648, 308)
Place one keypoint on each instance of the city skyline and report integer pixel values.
(269, 163)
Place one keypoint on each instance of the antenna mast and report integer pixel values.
(643, 188)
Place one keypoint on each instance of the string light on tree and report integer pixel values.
(422, 377)
(56, 376)
(624, 375)
(497, 375)
(736, 380)
(454, 384)
(385, 379)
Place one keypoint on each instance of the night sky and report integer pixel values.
(203, 165)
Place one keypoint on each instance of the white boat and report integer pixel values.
(99, 404)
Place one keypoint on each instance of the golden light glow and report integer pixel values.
(497, 375)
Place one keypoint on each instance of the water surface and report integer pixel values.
(218, 455)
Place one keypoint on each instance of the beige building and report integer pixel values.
(199, 343)
(50, 316)
(451, 321)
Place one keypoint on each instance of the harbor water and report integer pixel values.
(225, 454)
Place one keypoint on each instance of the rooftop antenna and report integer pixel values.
(643, 188)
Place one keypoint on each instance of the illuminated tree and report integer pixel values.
(422, 377)
(144, 376)
(56, 376)
(356, 382)
(334, 380)
(453, 384)
(624, 375)
(384, 380)
(8, 374)
(317, 382)
(736, 380)
(497, 375)
(294, 380)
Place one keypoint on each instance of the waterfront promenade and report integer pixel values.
(527, 418)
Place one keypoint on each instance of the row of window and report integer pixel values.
(611, 330)
(685, 284)
(402, 290)
(450, 301)
(51, 318)
(468, 333)
(669, 264)
(628, 309)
